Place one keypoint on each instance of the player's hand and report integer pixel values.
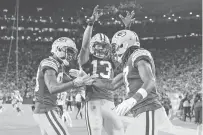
(125, 106)
(82, 72)
(74, 72)
(96, 14)
(84, 80)
(128, 19)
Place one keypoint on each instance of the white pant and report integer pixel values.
(154, 123)
(50, 123)
(99, 113)
(66, 118)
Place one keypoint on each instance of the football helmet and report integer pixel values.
(100, 46)
(64, 49)
(124, 39)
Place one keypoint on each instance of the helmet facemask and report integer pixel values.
(67, 54)
(101, 50)
(120, 50)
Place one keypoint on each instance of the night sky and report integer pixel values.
(74, 5)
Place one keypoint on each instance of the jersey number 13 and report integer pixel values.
(102, 68)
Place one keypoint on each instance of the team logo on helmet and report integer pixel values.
(100, 46)
(122, 40)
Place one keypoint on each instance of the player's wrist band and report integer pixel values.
(143, 92)
(90, 23)
(75, 83)
(127, 27)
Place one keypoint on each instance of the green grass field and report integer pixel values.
(11, 124)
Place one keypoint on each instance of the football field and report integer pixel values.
(11, 124)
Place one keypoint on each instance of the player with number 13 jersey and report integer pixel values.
(101, 65)
(95, 59)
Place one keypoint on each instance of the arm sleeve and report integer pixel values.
(48, 64)
(141, 54)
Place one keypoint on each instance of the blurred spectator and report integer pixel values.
(69, 102)
(197, 107)
(187, 107)
(166, 102)
(78, 99)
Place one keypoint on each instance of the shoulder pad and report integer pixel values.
(140, 54)
(51, 63)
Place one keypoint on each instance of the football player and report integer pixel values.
(47, 87)
(149, 117)
(17, 102)
(95, 59)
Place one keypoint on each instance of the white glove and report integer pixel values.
(83, 81)
(74, 72)
(125, 106)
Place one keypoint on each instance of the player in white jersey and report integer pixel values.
(147, 116)
(17, 102)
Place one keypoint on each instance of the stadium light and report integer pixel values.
(164, 15)
(5, 10)
(197, 16)
(173, 15)
(190, 13)
(175, 20)
(169, 18)
(112, 18)
(145, 17)
(179, 17)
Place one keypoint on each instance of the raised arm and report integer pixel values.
(127, 21)
(83, 56)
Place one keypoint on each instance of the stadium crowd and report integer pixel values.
(174, 40)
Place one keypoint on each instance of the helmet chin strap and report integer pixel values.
(65, 62)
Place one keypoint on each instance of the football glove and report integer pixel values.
(95, 15)
(82, 81)
(125, 106)
(74, 72)
(128, 20)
